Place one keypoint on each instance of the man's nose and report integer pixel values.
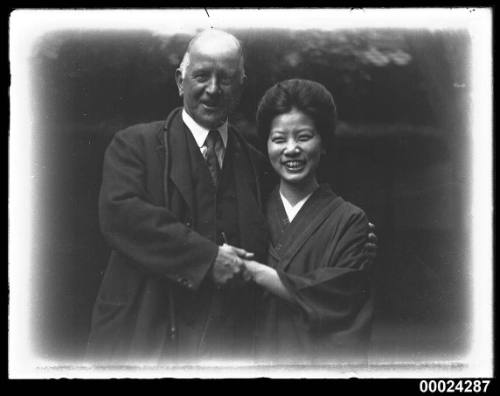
(213, 85)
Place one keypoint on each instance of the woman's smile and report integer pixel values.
(294, 148)
(294, 166)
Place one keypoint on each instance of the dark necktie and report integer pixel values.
(213, 143)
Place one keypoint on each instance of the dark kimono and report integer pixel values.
(319, 258)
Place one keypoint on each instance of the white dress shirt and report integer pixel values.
(200, 135)
(292, 210)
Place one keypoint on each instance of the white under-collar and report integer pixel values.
(291, 211)
(199, 133)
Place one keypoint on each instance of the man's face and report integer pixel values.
(212, 84)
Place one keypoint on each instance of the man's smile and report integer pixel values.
(210, 106)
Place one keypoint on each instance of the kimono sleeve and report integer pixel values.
(148, 234)
(334, 295)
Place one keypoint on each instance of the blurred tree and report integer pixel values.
(129, 75)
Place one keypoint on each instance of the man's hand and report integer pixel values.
(371, 246)
(229, 263)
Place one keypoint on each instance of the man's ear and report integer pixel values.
(179, 80)
(243, 80)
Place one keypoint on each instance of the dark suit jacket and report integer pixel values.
(159, 264)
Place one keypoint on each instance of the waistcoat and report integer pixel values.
(216, 210)
(216, 217)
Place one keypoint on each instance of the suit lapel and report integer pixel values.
(177, 165)
(251, 221)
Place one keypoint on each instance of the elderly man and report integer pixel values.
(176, 196)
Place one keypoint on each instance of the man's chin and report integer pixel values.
(212, 121)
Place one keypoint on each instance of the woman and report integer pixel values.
(317, 303)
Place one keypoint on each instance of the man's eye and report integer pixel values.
(200, 77)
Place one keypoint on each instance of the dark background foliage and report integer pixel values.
(402, 156)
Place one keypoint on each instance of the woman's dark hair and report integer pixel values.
(310, 97)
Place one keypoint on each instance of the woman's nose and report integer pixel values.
(292, 148)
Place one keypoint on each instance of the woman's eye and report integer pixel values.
(305, 138)
(277, 140)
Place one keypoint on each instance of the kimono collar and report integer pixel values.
(292, 210)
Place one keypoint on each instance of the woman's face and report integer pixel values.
(294, 148)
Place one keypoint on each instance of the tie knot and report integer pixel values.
(213, 138)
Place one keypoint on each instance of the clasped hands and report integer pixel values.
(231, 263)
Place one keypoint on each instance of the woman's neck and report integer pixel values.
(296, 192)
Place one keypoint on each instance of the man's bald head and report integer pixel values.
(211, 77)
(213, 41)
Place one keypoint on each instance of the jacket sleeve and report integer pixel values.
(149, 235)
(336, 296)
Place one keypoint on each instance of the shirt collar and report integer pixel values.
(199, 133)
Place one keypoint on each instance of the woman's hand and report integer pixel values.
(229, 264)
(371, 247)
(266, 277)
(251, 269)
